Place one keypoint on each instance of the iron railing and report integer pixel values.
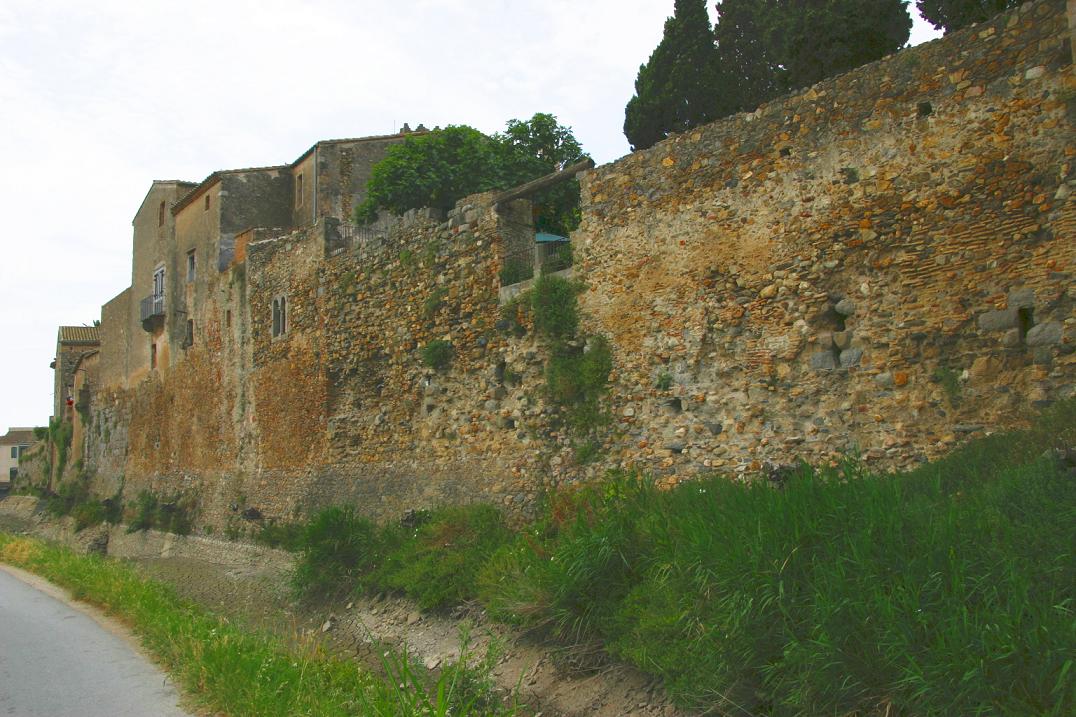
(151, 306)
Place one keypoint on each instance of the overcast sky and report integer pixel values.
(99, 99)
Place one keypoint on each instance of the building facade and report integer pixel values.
(12, 445)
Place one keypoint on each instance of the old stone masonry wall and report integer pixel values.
(881, 264)
(348, 410)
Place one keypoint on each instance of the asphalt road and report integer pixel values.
(56, 661)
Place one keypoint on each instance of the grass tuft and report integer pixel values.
(236, 672)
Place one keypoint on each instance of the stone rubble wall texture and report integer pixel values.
(879, 264)
(346, 409)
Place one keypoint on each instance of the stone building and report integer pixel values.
(71, 343)
(12, 446)
(879, 265)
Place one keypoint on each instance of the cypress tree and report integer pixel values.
(952, 15)
(768, 47)
(677, 87)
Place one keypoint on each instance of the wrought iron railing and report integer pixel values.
(151, 306)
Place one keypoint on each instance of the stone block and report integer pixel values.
(1011, 339)
(842, 339)
(999, 320)
(885, 380)
(850, 358)
(845, 307)
(1047, 334)
(823, 360)
(1021, 298)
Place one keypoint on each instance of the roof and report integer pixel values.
(80, 335)
(85, 355)
(212, 179)
(547, 238)
(372, 138)
(162, 182)
(17, 437)
(215, 177)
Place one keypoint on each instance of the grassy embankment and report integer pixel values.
(942, 591)
(236, 672)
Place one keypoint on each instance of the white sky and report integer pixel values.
(99, 99)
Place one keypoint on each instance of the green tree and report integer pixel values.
(536, 147)
(539, 144)
(440, 168)
(817, 39)
(767, 47)
(747, 53)
(952, 15)
(431, 170)
(677, 88)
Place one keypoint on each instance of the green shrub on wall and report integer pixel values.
(437, 354)
(577, 372)
(171, 514)
(555, 308)
(434, 302)
(576, 380)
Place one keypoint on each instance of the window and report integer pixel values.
(158, 284)
(228, 318)
(280, 316)
(299, 190)
(13, 473)
(207, 202)
(160, 214)
(188, 340)
(153, 355)
(190, 266)
(14, 451)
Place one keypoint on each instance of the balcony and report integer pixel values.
(151, 311)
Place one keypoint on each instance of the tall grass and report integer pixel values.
(434, 559)
(236, 672)
(947, 590)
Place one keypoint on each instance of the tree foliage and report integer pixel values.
(823, 38)
(758, 50)
(767, 47)
(676, 89)
(537, 147)
(431, 170)
(439, 168)
(952, 15)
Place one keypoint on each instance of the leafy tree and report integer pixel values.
(952, 15)
(440, 168)
(539, 144)
(537, 147)
(677, 88)
(431, 170)
(767, 47)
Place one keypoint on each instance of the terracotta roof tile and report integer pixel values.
(80, 335)
(17, 438)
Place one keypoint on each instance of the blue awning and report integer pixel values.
(544, 238)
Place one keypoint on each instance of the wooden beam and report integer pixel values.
(537, 185)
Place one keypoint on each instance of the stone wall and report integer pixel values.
(346, 409)
(115, 340)
(882, 263)
(879, 264)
